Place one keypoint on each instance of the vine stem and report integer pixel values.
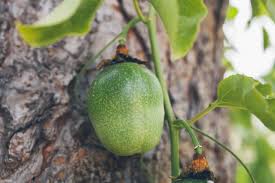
(139, 12)
(189, 130)
(174, 132)
(200, 115)
(228, 150)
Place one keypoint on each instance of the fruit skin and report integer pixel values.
(125, 105)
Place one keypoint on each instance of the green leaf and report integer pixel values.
(71, 17)
(242, 117)
(270, 77)
(266, 40)
(270, 7)
(181, 19)
(258, 8)
(244, 92)
(264, 89)
(231, 12)
(263, 7)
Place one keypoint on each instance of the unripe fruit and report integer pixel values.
(125, 105)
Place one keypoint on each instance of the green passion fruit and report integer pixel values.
(125, 105)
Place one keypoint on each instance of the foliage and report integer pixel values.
(266, 40)
(263, 7)
(270, 7)
(270, 77)
(231, 12)
(243, 92)
(242, 117)
(71, 17)
(254, 141)
(258, 8)
(181, 20)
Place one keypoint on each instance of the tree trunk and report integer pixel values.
(45, 136)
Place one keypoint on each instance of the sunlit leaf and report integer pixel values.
(270, 6)
(258, 8)
(264, 150)
(242, 117)
(263, 7)
(71, 17)
(245, 93)
(266, 41)
(264, 89)
(181, 19)
(270, 77)
(231, 12)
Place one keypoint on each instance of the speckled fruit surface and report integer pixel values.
(125, 105)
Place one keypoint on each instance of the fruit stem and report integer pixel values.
(122, 36)
(174, 132)
(122, 39)
(189, 130)
(228, 150)
(200, 115)
(124, 33)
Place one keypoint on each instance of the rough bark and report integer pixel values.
(46, 137)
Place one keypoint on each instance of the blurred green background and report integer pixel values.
(249, 49)
(254, 143)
